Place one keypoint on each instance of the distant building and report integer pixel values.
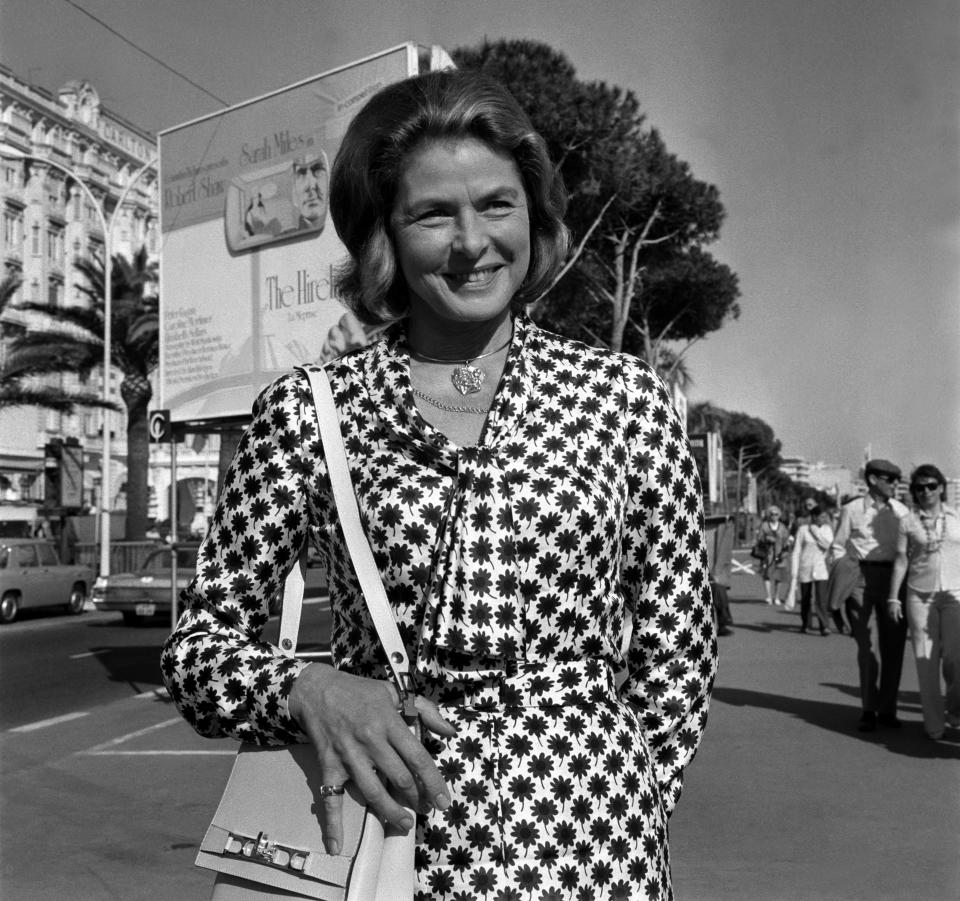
(795, 468)
(834, 479)
(48, 221)
(831, 478)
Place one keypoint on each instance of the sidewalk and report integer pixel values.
(786, 800)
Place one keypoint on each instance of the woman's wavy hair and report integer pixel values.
(363, 182)
(924, 472)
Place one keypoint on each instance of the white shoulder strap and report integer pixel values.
(357, 545)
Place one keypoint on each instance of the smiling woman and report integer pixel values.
(461, 230)
(535, 516)
(462, 235)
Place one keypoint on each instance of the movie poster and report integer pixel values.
(246, 273)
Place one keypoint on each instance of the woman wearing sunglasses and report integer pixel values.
(928, 555)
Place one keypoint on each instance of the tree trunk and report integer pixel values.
(136, 394)
(620, 307)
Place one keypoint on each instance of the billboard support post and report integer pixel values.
(174, 531)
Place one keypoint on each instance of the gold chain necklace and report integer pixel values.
(466, 379)
(450, 408)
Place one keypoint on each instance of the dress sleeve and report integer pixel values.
(222, 677)
(672, 658)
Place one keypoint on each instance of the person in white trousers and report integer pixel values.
(928, 555)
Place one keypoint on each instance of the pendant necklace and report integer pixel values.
(466, 378)
(935, 534)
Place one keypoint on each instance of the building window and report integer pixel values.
(55, 244)
(12, 228)
(35, 244)
(55, 292)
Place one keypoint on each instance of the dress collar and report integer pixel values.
(392, 400)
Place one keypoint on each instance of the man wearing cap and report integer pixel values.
(867, 533)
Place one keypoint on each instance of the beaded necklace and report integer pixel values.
(934, 525)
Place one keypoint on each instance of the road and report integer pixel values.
(53, 665)
(784, 802)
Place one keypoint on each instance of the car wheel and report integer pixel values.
(78, 599)
(9, 607)
(131, 619)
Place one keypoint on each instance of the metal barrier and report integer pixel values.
(125, 556)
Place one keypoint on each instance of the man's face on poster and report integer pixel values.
(310, 178)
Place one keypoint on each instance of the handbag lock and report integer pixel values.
(261, 848)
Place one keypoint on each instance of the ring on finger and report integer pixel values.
(330, 791)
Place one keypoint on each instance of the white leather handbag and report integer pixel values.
(265, 840)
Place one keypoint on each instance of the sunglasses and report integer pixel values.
(887, 478)
(927, 486)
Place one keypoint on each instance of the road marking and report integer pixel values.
(90, 654)
(98, 749)
(155, 694)
(737, 567)
(53, 721)
(92, 753)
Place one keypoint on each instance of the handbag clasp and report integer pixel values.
(261, 848)
(265, 849)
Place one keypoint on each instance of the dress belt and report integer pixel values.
(888, 563)
(536, 684)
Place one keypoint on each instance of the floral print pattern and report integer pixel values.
(516, 568)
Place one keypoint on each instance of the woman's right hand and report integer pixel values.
(359, 736)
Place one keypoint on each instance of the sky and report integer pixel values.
(830, 128)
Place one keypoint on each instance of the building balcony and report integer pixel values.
(13, 258)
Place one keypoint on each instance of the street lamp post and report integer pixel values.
(107, 226)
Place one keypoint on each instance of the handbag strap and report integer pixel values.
(368, 575)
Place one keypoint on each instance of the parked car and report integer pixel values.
(141, 595)
(145, 594)
(31, 575)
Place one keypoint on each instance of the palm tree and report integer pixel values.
(17, 386)
(73, 342)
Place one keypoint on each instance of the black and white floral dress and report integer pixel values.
(513, 567)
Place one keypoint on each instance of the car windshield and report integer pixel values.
(159, 561)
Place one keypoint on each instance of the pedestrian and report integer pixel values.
(867, 534)
(928, 556)
(804, 516)
(772, 546)
(529, 500)
(808, 568)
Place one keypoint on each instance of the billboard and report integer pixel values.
(249, 251)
